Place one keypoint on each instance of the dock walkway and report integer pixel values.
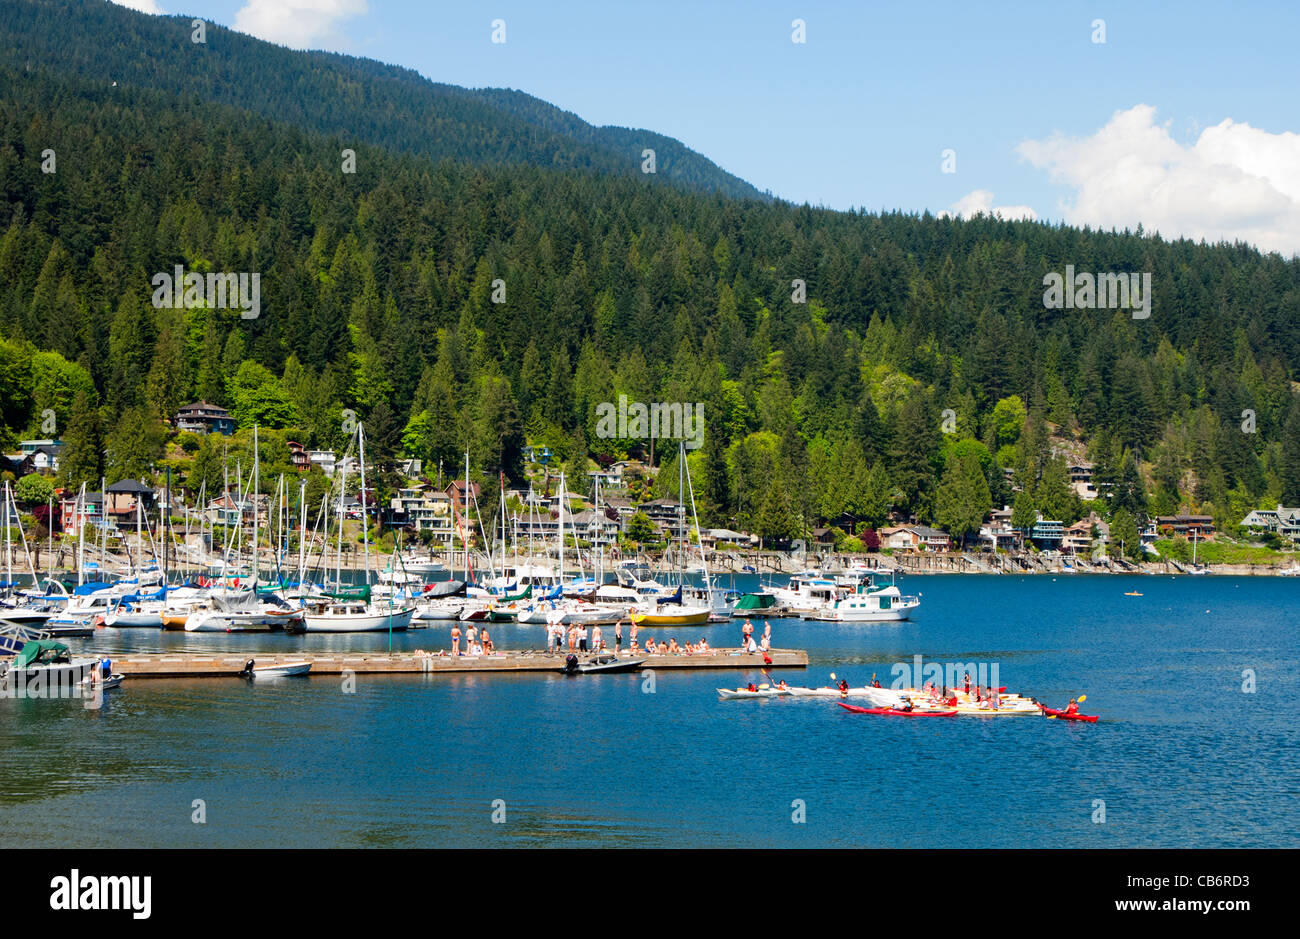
(204, 665)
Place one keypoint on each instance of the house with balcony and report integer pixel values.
(204, 418)
(1081, 480)
(1047, 534)
(1282, 520)
(75, 513)
(1186, 526)
(325, 459)
(298, 456)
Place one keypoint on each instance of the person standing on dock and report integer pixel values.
(632, 635)
(455, 640)
(618, 637)
(746, 633)
(766, 644)
(471, 634)
(597, 639)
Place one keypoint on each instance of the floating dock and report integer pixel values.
(225, 665)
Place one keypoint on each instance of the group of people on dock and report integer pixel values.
(584, 638)
(475, 643)
(752, 646)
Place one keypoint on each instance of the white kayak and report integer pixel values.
(726, 693)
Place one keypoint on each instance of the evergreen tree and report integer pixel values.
(82, 459)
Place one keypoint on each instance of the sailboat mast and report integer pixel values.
(343, 488)
(302, 530)
(365, 522)
(254, 497)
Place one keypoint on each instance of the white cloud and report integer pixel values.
(981, 200)
(144, 6)
(1236, 182)
(297, 23)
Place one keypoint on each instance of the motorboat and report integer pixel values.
(279, 670)
(45, 668)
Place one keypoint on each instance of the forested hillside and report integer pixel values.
(376, 295)
(360, 100)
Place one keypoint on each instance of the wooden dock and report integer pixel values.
(207, 665)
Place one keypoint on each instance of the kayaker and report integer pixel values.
(875, 682)
(844, 687)
(966, 680)
(752, 687)
(1072, 707)
(783, 686)
(907, 705)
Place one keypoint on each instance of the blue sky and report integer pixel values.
(1184, 119)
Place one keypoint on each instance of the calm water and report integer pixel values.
(1182, 757)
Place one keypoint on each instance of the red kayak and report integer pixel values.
(1061, 715)
(895, 712)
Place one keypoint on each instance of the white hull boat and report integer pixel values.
(357, 618)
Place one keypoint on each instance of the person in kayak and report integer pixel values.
(966, 679)
(906, 705)
(782, 685)
(844, 687)
(875, 682)
(752, 687)
(1072, 707)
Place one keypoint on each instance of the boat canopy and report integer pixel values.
(756, 601)
(351, 593)
(86, 589)
(38, 650)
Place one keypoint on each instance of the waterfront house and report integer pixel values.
(996, 532)
(1200, 526)
(1285, 521)
(1077, 538)
(1047, 533)
(915, 538)
(202, 418)
(724, 538)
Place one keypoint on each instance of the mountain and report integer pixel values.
(357, 100)
(850, 364)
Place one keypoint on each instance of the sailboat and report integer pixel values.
(675, 609)
(351, 610)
